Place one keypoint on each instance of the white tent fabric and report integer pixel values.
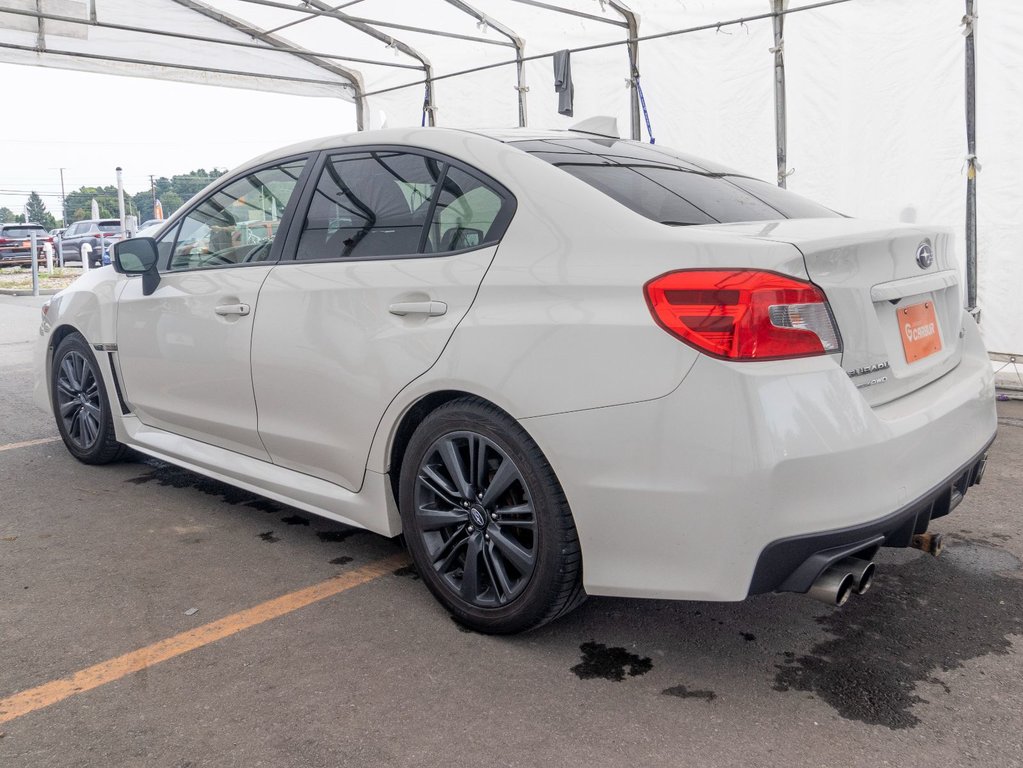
(875, 89)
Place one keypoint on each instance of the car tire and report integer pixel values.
(487, 522)
(81, 407)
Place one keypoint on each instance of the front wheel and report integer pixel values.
(80, 404)
(487, 522)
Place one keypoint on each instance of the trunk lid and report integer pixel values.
(894, 291)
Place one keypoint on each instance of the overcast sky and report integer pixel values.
(89, 124)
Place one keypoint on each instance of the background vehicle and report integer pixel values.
(559, 364)
(89, 232)
(16, 244)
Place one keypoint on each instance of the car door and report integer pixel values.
(67, 241)
(385, 259)
(184, 349)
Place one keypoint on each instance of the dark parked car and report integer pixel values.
(16, 244)
(90, 232)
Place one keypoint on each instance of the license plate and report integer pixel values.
(918, 327)
(26, 244)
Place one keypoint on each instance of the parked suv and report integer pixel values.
(89, 232)
(16, 244)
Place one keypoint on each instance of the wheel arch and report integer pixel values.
(410, 419)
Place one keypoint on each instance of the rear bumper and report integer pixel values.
(794, 563)
(680, 497)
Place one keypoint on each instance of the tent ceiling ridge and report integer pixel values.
(289, 48)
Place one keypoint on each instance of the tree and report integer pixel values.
(36, 209)
(6, 215)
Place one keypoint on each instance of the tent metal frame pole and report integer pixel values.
(351, 75)
(570, 12)
(780, 113)
(632, 44)
(520, 51)
(611, 44)
(429, 105)
(169, 65)
(329, 11)
(284, 47)
(971, 158)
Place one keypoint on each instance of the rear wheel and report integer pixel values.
(80, 404)
(487, 522)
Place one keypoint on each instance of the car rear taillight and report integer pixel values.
(743, 314)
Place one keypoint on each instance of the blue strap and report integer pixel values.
(646, 115)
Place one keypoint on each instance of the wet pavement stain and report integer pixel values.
(268, 536)
(599, 661)
(408, 571)
(295, 520)
(337, 536)
(343, 560)
(168, 475)
(919, 618)
(749, 637)
(681, 692)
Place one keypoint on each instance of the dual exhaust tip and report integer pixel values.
(845, 577)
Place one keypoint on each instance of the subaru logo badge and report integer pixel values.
(924, 254)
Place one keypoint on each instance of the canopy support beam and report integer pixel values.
(970, 31)
(351, 75)
(429, 107)
(780, 115)
(520, 51)
(632, 22)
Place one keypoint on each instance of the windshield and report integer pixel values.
(669, 187)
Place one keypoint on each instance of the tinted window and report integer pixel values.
(110, 226)
(369, 204)
(466, 212)
(640, 193)
(669, 187)
(238, 223)
(23, 231)
(793, 206)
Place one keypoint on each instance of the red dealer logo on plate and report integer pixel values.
(918, 327)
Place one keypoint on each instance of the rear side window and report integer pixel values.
(465, 214)
(382, 204)
(672, 189)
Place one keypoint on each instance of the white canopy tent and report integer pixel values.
(872, 93)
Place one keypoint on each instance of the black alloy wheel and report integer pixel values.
(486, 521)
(80, 404)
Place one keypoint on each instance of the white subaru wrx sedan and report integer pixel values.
(560, 363)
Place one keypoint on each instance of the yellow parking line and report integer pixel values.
(41, 696)
(28, 443)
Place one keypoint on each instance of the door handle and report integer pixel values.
(428, 308)
(232, 309)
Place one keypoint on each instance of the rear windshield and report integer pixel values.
(669, 187)
(23, 231)
(110, 226)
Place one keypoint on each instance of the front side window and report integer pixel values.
(238, 223)
(387, 203)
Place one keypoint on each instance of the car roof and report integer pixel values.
(410, 137)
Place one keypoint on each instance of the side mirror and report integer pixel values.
(138, 256)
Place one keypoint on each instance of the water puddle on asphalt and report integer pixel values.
(920, 618)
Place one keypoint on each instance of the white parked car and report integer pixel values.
(561, 364)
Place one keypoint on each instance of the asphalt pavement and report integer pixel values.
(151, 617)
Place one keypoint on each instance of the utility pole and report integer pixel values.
(63, 201)
(120, 199)
(152, 187)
